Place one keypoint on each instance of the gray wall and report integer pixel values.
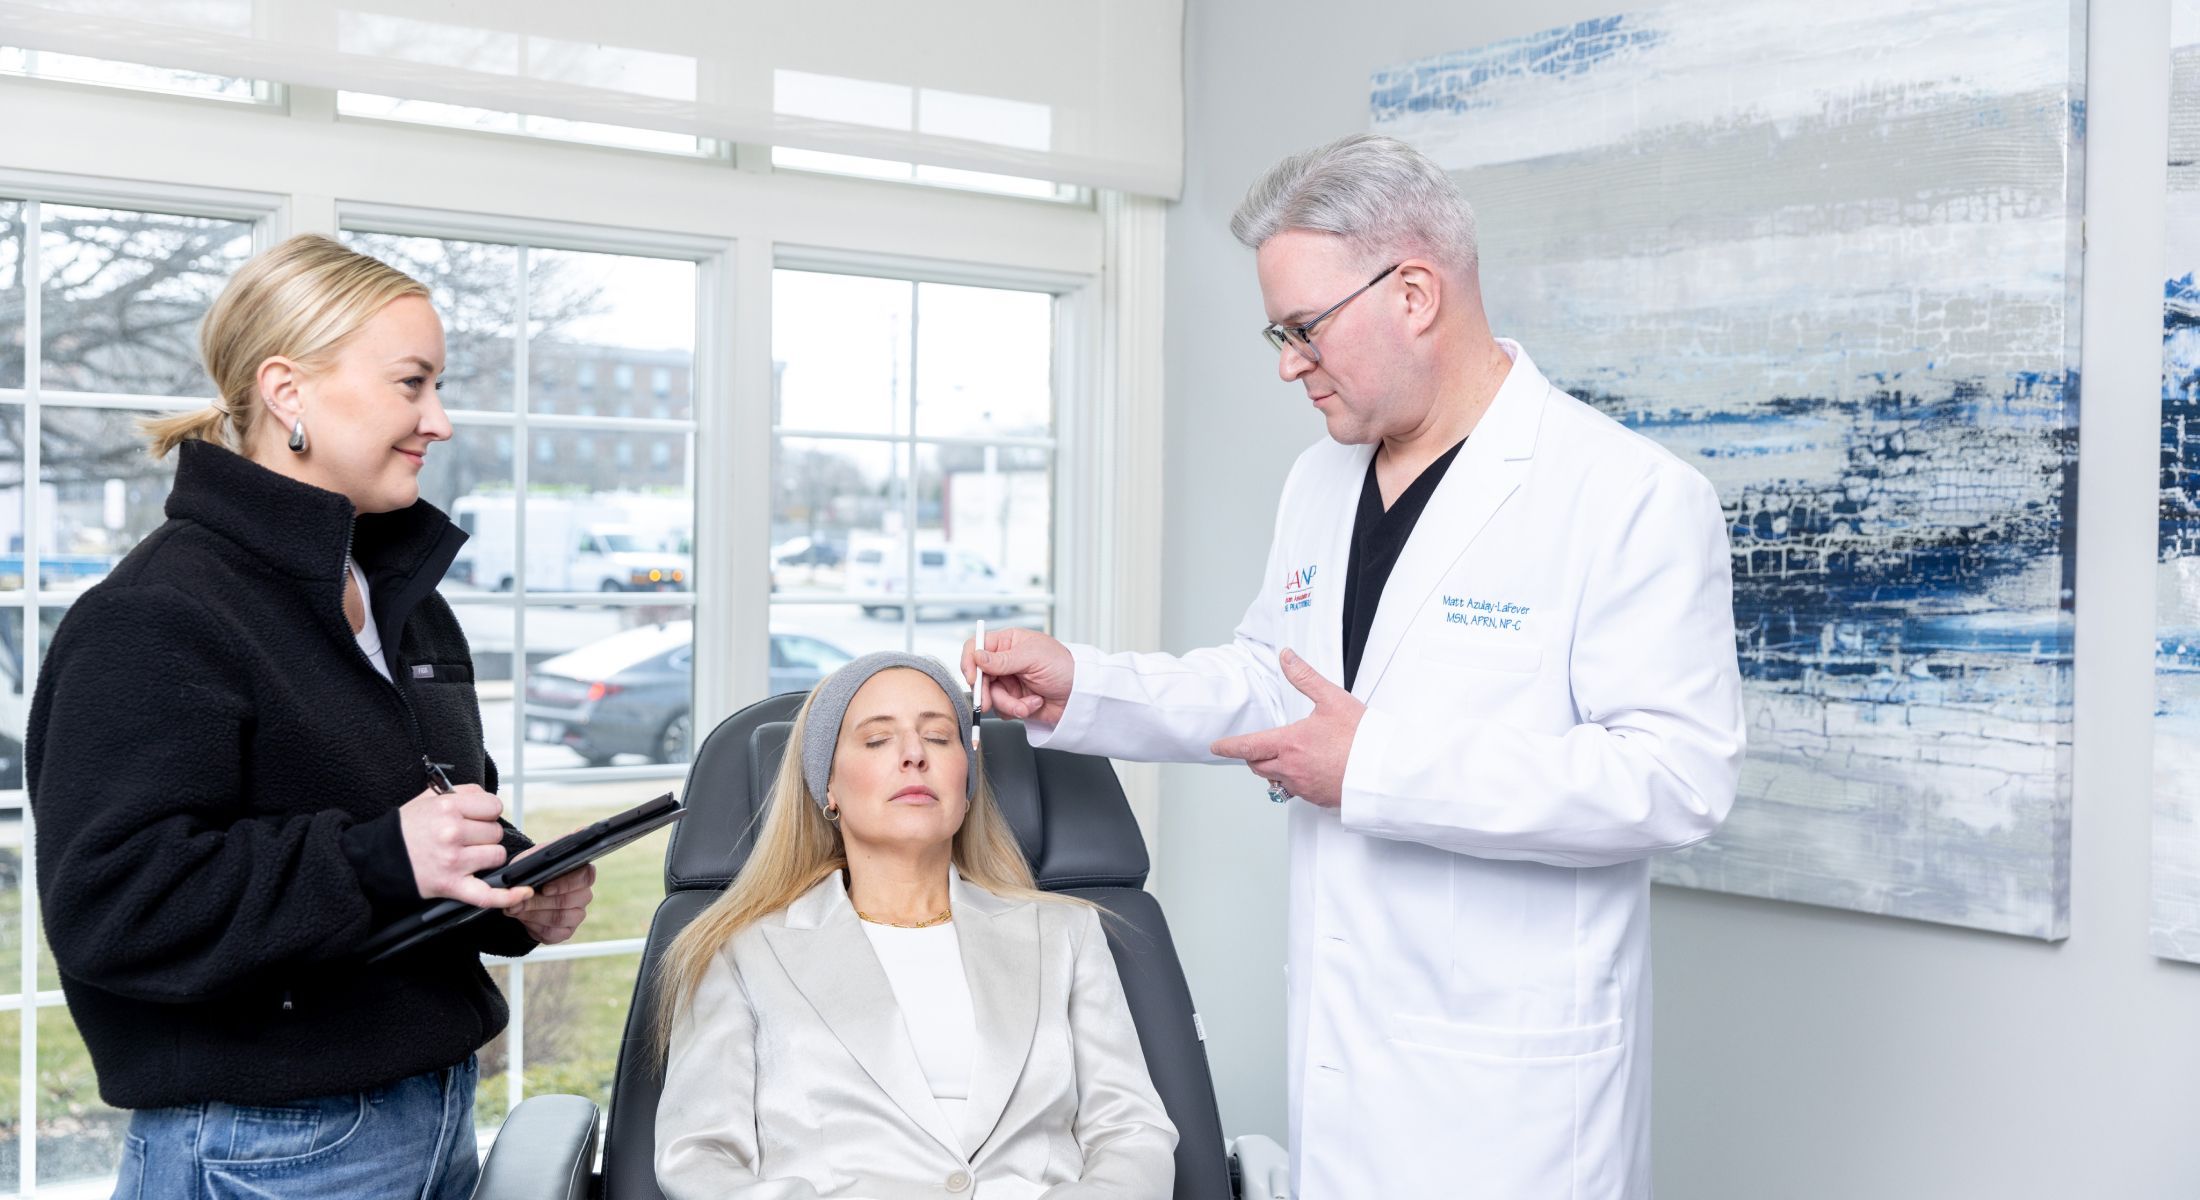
(1799, 1052)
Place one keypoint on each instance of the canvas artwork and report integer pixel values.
(2176, 923)
(1828, 255)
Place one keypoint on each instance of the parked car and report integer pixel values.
(630, 693)
(804, 552)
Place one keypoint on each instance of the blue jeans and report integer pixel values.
(408, 1140)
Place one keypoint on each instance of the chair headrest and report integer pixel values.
(1067, 811)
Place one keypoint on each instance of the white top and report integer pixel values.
(370, 638)
(924, 967)
(926, 971)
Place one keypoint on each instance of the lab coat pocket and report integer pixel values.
(1517, 1112)
(1497, 1042)
(1489, 656)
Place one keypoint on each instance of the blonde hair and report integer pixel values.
(797, 848)
(301, 300)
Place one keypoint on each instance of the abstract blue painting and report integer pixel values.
(1828, 254)
(2176, 923)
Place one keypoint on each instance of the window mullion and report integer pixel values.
(912, 482)
(26, 1117)
(515, 1030)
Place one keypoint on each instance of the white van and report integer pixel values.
(880, 566)
(573, 545)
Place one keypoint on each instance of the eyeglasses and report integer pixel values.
(1299, 339)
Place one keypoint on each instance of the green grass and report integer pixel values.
(78, 1135)
(577, 1010)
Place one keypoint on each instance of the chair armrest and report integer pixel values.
(545, 1151)
(1259, 1168)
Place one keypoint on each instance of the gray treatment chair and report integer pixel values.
(1075, 827)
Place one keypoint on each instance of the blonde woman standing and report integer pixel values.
(883, 1004)
(257, 740)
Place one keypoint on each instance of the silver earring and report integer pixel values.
(832, 811)
(298, 436)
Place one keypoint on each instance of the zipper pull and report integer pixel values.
(286, 1000)
(436, 777)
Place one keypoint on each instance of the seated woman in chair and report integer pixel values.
(883, 1004)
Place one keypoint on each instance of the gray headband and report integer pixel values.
(830, 707)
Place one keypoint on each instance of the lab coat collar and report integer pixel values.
(1488, 470)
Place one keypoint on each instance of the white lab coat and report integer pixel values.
(1552, 698)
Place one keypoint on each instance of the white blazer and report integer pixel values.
(791, 1075)
(1552, 698)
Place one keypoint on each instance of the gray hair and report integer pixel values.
(1382, 195)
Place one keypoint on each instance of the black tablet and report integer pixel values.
(580, 847)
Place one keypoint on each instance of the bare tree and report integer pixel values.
(122, 294)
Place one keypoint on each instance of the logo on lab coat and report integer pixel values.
(1298, 590)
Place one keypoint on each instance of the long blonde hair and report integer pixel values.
(301, 300)
(797, 847)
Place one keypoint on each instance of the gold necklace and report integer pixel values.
(945, 914)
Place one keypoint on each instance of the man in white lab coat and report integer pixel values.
(1491, 664)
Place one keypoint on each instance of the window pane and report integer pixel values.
(45, 64)
(492, 1096)
(103, 493)
(457, 116)
(630, 883)
(841, 352)
(79, 1137)
(475, 289)
(15, 706)
(470, 479)
(11, 1112)
(788, 158)
(635, 479)
(990, 509)
(987, 181)
(581, 540)
(984, 362)
(488, 629)
(606, 512)
(809, 640)
(624, 319)
(122, 295)
(609, 685)
(576, 1019)
(49, 973)
(11, 499)
(838, 512)
(14, 715)
(12, 314)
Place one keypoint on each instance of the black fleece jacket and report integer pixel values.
(215, 770)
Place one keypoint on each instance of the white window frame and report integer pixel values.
(1071, 398)
(266, 213)
(294, 167)
(521, 421)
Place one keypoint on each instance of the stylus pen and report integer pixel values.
(977, 690)
(436, 778)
